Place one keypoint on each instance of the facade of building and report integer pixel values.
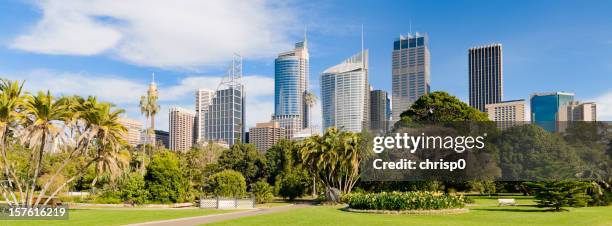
(163, 138)
(485, 75)
(410, 71)
(345, 94)
(134, 129)
(291, 72)
(291, 124)
(225, 116)
(203, 99)
(507, 113)
(181, 127)
(545, 108)
(379, 111)
(577, 111)
(265, 135)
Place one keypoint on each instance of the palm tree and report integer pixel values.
(310, 99)
(149, 108)
(11, 100)
(43, 112)
(107, 133)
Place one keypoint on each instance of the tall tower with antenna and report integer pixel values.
(225, 119)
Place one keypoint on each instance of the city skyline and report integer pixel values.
(536, 55)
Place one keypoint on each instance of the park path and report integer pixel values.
(221, 217)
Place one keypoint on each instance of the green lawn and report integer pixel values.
(116, 216)
(482, 214)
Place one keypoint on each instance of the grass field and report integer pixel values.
(115, 216)
(483, 212)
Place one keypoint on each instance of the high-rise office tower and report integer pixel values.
(345, 94)
(291, 72)
(203, 98)
(134, 130)
(507, 113)
(181, 129)
(485, 75)
(379, 112)
(545, 108)
(410, 71)
(265, 135)
(225, 121)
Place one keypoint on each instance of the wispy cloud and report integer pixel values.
(604, 106)
(188, 34)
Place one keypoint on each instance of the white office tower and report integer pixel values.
(345, 94)
(203, 99)
(181, 129)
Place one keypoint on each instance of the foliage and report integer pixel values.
(228, 183)
(262, 191)
(557, 194)
(281, 159)
(547, 155)
(441, 107)
(197, 161)
(245, 159)
(164, 179)
(482, 186)
(294, 185)
(133, 189)
(334, 158)
(403, 200)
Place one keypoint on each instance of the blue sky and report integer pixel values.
(110, 48)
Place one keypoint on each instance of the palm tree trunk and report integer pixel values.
(144, 146)
(10, 173)
(153, 129)
(37, 169)
(79, 175)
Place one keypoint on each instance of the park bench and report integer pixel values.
(506, 202)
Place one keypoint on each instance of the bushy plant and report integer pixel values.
(133, 189)
(262, 191)
(165, 180)
(228, 183)
(557, 194)
(293, 185)
(421, 200)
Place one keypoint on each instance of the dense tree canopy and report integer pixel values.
(441, 107)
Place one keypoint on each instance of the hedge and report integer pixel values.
(421, 200)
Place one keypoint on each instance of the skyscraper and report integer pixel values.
(225, 119)
(545, 108)
(203, 99)
(265, 135)
(181, 129)
(485, 75)
(345, 94)
(379, 113)
(134, 130)
(291, 72)
(410, 71)
(577, 111)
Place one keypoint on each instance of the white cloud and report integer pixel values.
(186, 34)
(125, 92)
(604, 106)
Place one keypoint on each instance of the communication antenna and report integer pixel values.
(234, 73)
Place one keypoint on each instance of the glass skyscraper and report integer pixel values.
(345, 94)
(545, 108)
(225, 116)
(291, 84)
(410, 71)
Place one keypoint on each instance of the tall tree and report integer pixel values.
(11, 100)
(43, 113)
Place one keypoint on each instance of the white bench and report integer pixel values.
(506, 202)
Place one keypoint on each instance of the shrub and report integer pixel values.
(133, 189)
(293, 185)
(164, 179)
(557, 194)
(228, 183)
(262, 191)
(422, 200)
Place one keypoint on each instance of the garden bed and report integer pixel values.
(412, 212)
